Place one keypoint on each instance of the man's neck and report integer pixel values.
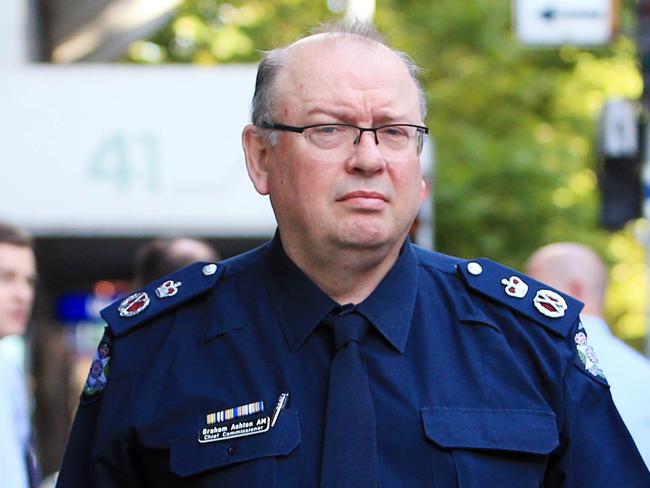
(347, 275)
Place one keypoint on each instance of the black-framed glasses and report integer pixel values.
(396, 140)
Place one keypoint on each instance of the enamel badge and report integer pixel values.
(134, 304)
(587, 354)
(168, 289)
(98, 374)
(515, 287)
(549, 303)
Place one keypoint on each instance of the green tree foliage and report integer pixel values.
(507, 147)
(213, 31)
(513, 125)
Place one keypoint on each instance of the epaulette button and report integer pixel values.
(474, 268)
(209, 269)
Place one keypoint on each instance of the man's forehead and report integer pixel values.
(337, 54)
(336, 69)
(11, 255)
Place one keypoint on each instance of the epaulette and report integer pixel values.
(160, 296)
(529, 297)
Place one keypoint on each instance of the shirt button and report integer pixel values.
(232, 450)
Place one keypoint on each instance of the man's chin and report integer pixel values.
(12, 328)
(366, 239)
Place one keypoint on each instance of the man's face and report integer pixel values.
(361, 199)
(17, 276)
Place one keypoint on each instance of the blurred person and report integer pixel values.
(578, 271)
(159, 257)
(17, 278)
(340, 355)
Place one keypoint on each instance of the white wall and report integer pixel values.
(14, 48)
(122, 149)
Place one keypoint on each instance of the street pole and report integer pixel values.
(643, 50)
(643, 232)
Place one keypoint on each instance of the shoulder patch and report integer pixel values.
(586, 355)
(161, 296)
(99, 368)
(543, 304)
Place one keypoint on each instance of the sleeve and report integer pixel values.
(13, 470)
(97, 452)
(596, 448)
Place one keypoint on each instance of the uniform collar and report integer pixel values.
(302, 305)
(390, 306)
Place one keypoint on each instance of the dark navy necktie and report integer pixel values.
(350, 442)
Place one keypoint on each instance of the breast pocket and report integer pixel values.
(235, 462)
(493, 447)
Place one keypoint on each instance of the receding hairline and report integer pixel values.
(336, 40)
(334, 36)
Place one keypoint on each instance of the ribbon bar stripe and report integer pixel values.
(233, 413)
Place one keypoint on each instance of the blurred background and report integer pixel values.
(120, 121)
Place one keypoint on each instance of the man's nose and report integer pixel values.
(367, 157)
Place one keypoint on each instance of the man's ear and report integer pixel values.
(256, 152)
(424, 191)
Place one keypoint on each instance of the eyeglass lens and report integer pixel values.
(396, 141)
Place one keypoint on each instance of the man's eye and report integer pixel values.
(7, 278)
(327, 130)
(395, 132)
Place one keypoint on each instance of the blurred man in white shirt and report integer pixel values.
(17, 277)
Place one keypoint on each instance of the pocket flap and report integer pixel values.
(531, 431)
(188, 456)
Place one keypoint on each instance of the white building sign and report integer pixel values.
(93, 149)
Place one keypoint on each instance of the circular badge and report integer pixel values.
(549, 303)
(134, 304)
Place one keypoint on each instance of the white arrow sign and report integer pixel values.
(553, 14)
(556, 23)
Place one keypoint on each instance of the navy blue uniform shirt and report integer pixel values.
(472, 386)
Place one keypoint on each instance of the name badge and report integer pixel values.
(234, 429)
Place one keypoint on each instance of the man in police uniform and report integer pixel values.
(338, 354)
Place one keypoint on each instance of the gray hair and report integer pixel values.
(263, 106)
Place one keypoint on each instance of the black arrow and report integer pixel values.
(552, 14)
